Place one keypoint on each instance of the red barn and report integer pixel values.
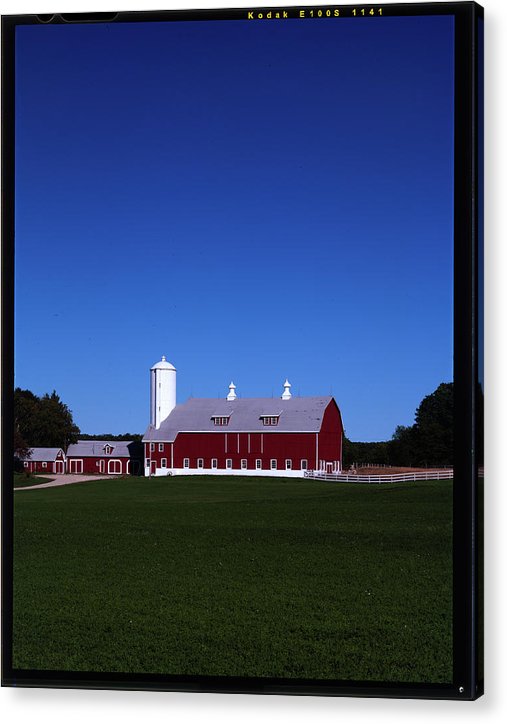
(257, 436)
(45, 460)
(107, 457)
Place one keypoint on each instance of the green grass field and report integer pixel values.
(236, 576)
(22, 480)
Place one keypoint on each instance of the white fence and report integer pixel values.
(398, 478)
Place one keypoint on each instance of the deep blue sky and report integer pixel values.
(253, 200)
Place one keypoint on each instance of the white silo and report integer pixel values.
(162, 391)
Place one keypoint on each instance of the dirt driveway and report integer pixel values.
(66, 480)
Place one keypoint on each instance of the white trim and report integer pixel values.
(186, 463)
(275, 466)
(258, 467)
(280, 473)
(75, 461)
(215, 465)
(245, 465)
(114, 460)
(227, 466)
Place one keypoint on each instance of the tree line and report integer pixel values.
(46, 421)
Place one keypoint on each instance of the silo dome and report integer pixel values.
(163, 365)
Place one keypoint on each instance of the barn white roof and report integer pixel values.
(299, 414)
(95, 448)
(43, 454)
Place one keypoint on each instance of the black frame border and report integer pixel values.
(467, 681)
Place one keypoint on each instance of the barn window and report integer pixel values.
(152, 447)
(214, 463)
(258, 464)
(186, 462)
(228, 463)
(147, 464)
(244, 464)
(271, 420)
(304, 464)
(220, 420)
(200, 462)
(108, 449)
(273, 464)
(161, 447)
(163, 463)
(44, 465)
(25, 464)
(288, 464)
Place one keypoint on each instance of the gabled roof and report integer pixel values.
(95, 449)
(43, 454)
(299, 414)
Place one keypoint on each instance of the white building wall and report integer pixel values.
(279, 473)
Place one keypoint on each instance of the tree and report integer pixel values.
(43, 421)
(434, 425)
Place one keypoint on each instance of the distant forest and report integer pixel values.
(135, 437)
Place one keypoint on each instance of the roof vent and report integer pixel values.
(232, 392)
(286, 390)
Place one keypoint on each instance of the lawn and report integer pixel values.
(236, 576)
(24, 480)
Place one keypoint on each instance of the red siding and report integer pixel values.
(36, 466)
(331, 434)
(91, 465)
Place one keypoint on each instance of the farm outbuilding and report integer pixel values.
(282, 436)
(108, 457)
(45, 460)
